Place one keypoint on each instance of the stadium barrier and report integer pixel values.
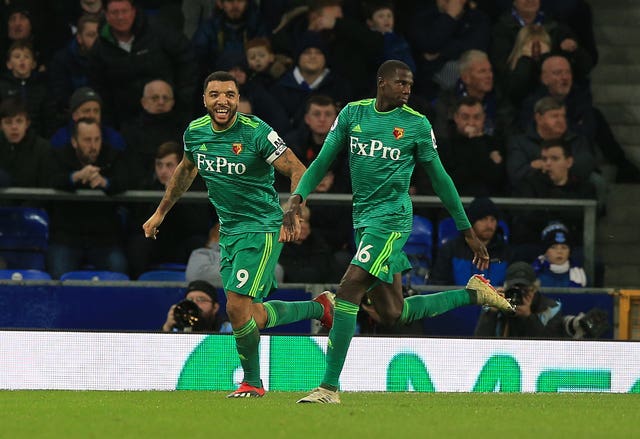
(588, 207)
(629, 315)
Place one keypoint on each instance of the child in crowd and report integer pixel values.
(265, 66)
(555, 268)
(21, 80)
(380, 18)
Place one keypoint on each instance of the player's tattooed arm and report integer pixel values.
(289, 165)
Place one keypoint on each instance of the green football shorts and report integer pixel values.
(248, 262)
(380, 253)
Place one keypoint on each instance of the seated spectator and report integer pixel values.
(454, 261)
(204, 262)
(225, 33)
(527, 12)
(204, 298)
(68, 70)
(244, 105)
(554, 180)
(352, 49)
(380, 18)
(157, 122)
(473, 158)
(523, 65)
(265, 66)
(132, 50)
(22, 80)
(536, 315)
(439, 33)
(85, 102)
(556, 268)
(88, 233)
(523, 150)
(476, 80)
(310, 76)
(184, 228)
(308, 259)
(25, 157)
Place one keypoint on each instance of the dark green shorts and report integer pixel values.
(380, 253)
(248, 262)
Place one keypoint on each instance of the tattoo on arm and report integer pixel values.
(289, 165)
(180, 181)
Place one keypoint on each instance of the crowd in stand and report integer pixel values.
(97, 93)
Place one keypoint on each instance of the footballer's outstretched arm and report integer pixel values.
(181, 180)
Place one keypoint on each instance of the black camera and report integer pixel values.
(515, 294)
(186, 314)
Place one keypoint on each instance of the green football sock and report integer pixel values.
(344, 326)
(431, 305)
(280, 312)
(247, 340)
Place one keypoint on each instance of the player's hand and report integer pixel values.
(291, 229)
(151, 226)
(480, 253)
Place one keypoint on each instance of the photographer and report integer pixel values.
(536, 315)
(198, 312)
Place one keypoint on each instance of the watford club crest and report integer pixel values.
(398, 133)
(237, 148)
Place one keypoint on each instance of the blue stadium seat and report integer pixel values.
(24, 275)
(24, 237)
(95, 275)
(163, 275)
(419, 249)
(170, 266)
(447, 230)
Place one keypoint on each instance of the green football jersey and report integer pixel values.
(383, 150)
(236, 165)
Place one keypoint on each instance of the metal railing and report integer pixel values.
(588, 207)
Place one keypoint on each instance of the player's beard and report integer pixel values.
(228, 119)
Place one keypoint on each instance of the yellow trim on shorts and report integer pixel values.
(384, 254)
(268, 247)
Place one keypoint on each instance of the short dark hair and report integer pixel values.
(389, 67)
(221, 76)
(321, 100)
(468, 101)
(13, 106)
(107, 2)
(87, 120)
(87, 18)
(23, 45)
(560, 143)
(547, 103)
(168, 148)
(372, 6)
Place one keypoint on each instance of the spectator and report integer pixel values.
(157, 122)
(204, 262)
(526, 12)
(195, 12)
(244, 105)
(523, 65)
(225, 33)
(351, 48)
(22, 80)
(536, 314)
(131, 51)
(308, 259)
(555, 268)
(476, 80)
(69, 67)
(473, 158)
(380, 18)
(454, 262)
(24, 156)
(85, 102)
(263, 102)
(265, 66)
(440, 32)
(553, 180)
(310, 76)
(89, 233)
(204, 298)
(523, 150)
(183, 229)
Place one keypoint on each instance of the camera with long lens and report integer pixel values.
(515, 293)
(187, 315)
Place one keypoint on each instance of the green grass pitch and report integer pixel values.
(190, 415)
